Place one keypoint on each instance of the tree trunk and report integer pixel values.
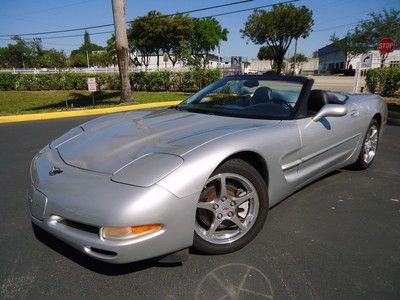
(173, 61)
(158, 61)
(279, 65)
(121, 46)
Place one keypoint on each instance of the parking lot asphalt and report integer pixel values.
(338, 238)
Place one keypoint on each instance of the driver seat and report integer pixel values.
(261, 95)
(316, 100)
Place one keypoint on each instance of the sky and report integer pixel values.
(27, 16)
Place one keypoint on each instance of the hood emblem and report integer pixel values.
(55, 171)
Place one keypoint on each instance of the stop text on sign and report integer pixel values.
(386, 45)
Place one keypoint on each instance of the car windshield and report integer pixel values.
(252, 97)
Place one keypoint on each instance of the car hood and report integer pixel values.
(108, 143)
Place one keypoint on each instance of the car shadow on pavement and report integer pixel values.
(93, 264)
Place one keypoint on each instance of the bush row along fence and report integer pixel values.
(187, 81)
(384, 81)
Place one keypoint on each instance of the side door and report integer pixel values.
(325, 144)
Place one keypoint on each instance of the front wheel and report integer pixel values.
(369, 147)
(232, 208)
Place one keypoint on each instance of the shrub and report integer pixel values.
(8, 81)
(384, 81)
(187, 81)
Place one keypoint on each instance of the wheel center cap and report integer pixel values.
(225, 207)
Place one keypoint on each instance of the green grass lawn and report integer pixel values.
(22, 102)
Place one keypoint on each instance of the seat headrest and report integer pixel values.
(261, 95)
(317, 99)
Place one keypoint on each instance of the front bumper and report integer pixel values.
(75, 204)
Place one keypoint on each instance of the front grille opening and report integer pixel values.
(80, 226)
(103, 252)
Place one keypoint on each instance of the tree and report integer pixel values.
(298, 60)
(179, 36)
(51, 58)
(110, 48)
(16, 55)
(30, 54)
(78, 57)
(153, 26)
(278, 28)
(121, 46)
(177, 30)
(100, 58)
(146, 38)
(366, 35)
(188, 58)
(86, 38)
(206, 36)
(268, 53)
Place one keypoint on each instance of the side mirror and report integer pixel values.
(330, 110)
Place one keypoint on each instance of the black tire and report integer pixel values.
(244, 169)
(361, 164)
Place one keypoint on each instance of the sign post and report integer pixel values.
(165, 59)
(92, 87)
(385, 46)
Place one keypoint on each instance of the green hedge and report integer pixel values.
(187, 81)
(384, 81)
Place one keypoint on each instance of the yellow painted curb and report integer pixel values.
(83, 112)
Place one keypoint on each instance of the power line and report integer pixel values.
(59, 31)
(337, 26)
(178, 13)
(210, 7)
(248, 9)
(63, 36)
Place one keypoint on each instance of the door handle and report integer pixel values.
(354, 113)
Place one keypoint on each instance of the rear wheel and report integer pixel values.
(231, 210)
(369, 147)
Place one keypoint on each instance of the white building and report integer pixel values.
(331, 59)
(260, 66)
(167, 65)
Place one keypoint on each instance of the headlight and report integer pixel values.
(148, 169)
(73, 133)
(128, 232)
(32, 171)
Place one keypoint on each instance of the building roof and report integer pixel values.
(327, 49)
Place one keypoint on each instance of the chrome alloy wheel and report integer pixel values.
(227, 209)
(370, 144)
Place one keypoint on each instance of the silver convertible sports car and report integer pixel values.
(145, 184)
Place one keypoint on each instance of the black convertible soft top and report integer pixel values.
(300, 109)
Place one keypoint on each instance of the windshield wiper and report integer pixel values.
(177, 107)
(192, 109)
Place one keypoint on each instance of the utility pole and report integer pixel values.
(219, 55)
(121, 45)
(87, 59)
(295, 55)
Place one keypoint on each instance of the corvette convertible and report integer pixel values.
(146, 184)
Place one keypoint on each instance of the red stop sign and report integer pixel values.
(386, 45)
